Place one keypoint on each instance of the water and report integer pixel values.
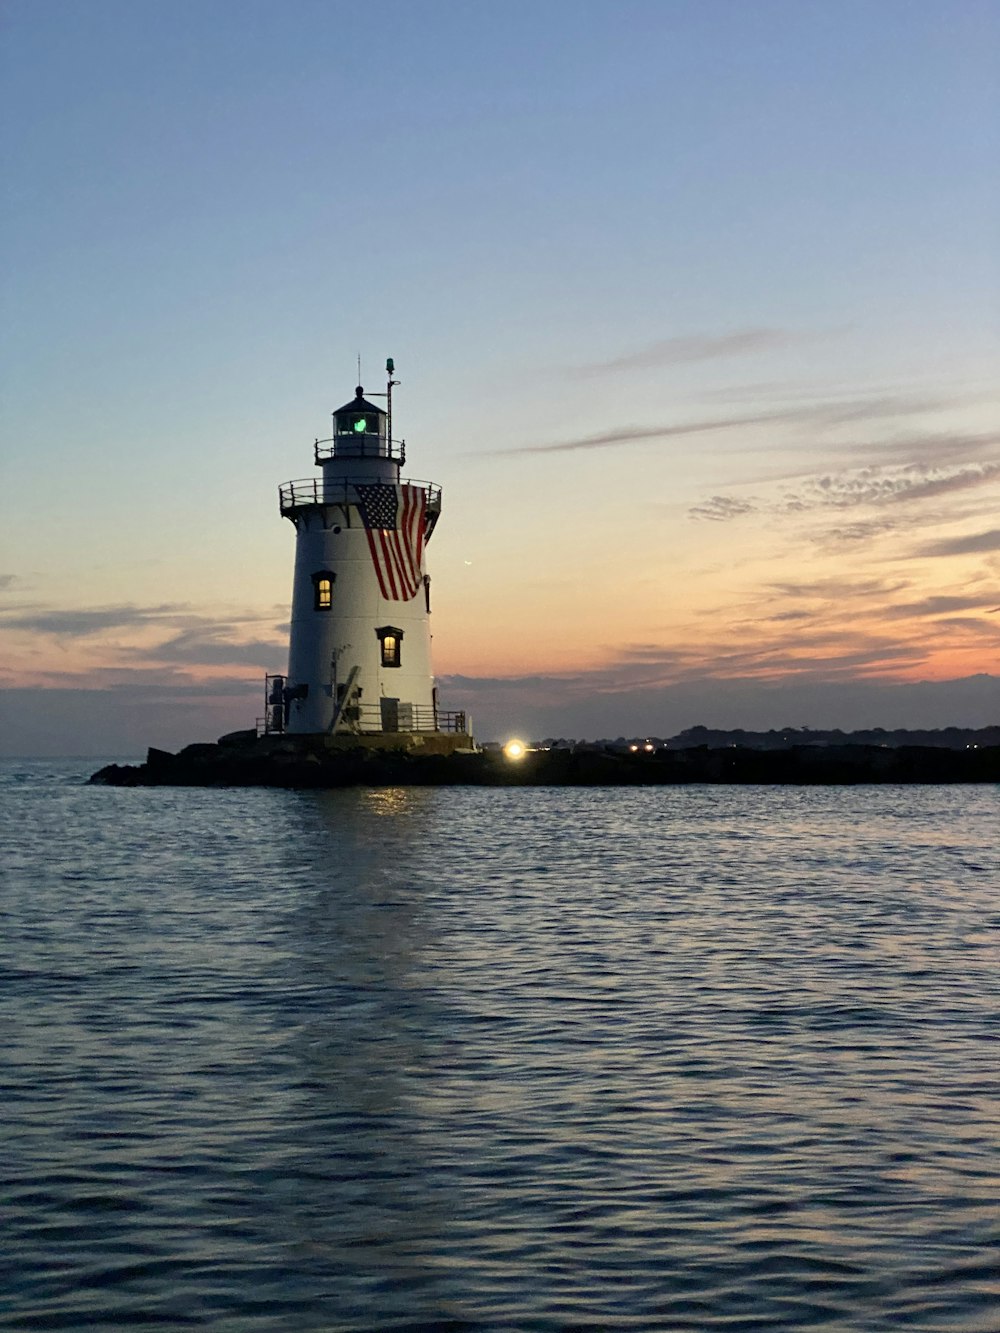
(659, 1059)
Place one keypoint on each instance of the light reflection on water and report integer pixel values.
(544, 1059)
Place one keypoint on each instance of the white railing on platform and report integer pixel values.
(360, 446)
(375, 719)
(309, 492)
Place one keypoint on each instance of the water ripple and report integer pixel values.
(671, 1059)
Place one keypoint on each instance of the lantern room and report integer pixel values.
(361, 429)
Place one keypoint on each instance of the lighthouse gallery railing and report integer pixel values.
(370, 720)
(309, 492)
(368, 445)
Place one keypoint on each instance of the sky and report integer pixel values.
(693, 304)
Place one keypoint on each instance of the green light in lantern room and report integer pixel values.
(361, 425)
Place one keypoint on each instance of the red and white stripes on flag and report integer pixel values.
(394, 525)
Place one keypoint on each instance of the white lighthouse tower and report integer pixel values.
(359, 663)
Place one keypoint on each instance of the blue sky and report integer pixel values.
(563, 221)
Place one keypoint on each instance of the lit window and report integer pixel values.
(323, 590)
(390, 641)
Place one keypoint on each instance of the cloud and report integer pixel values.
(697, 347)
(148, 682)
(929, 448)
(971, 625)
(8, 581)
(82, 623)
(972, 544)
(634, 434)
(818, 643)
(819, 416)
(212, 647)
(169, 634)
(879, 486)
(940, 605)
(838, 589)
(152, 682)
(721, 508)
(852, 534)
(869, 486)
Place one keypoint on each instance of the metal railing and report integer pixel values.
(367, 721)
(373, 719)
(388, 715)
(310, 492)
(367, 445)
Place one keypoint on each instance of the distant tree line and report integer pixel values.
(788, 738)
(947, 738)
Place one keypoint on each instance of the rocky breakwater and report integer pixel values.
(246, 760)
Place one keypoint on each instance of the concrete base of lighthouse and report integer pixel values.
(413, 742)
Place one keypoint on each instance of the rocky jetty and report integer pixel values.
(246, 760)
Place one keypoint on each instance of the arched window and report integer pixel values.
(323, 581)
(390, 641)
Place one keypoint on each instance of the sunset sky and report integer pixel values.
(694, 305)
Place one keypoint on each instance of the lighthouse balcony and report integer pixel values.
(378, 719)
(313, 492)
(355, 445)
(374, 719)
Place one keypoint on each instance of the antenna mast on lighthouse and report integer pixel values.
(390, 370)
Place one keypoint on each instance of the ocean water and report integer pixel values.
(435, 1059)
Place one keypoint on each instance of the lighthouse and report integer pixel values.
(359, 660)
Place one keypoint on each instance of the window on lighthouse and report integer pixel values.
(323, 590)
(390, 642)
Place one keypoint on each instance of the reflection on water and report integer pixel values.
(532, 1059)
(372, 1211)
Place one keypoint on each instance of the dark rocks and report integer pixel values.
(239, 740)
(243, 760)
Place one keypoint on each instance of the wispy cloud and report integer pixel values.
(942, 604)
(969, 544)
(213, 646)
(698, 347)
(879, 486)
(820, 651)
(973, 625)
(855, 488)
(931, 448)
(152, 683)
(167, 636)
(721, 508)
(82, 623)
(854, 534)
(838, 589)
(636, 434)
(818, 416)
(8, 581)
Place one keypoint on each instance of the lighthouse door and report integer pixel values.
(390, 714)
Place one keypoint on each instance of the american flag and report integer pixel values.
(394, 525)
